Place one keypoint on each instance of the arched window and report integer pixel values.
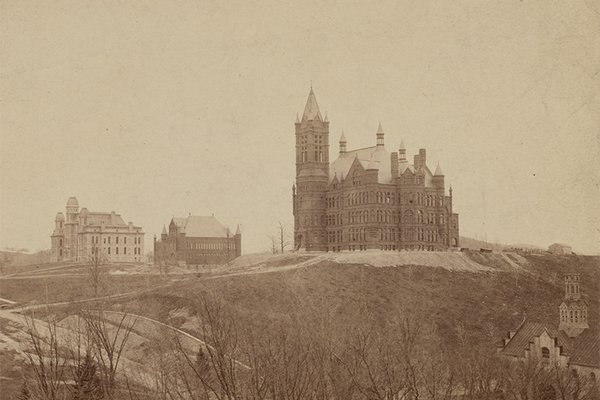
(545, 352)
(408, 217)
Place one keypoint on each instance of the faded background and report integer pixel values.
(156, 109)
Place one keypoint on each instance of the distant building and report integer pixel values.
(572, 344)
(559, 248)
(366, 198)
(82, 233)
(197, 240)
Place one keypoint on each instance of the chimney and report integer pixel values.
(394, 160)
(420, 160)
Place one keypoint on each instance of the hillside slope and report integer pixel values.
(491, 295)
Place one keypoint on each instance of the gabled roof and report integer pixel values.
(199, 226)
(586, 349)
(526, 334)
(311, 110)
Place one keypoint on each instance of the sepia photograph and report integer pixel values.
(300, 200)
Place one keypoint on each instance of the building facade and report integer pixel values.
(197, 240)
(79, 234)
(367, 198)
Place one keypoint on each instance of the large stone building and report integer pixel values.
(82, 233)
(366, 198)
(572, 344)
(197, 240)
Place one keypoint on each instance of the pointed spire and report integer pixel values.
(402, 146)
(237, 231)
(342, 143)
(326, 119)
(297, 118)
(438, 170)
(311, 110)
(380, 136)
(164, 231)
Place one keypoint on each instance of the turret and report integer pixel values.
(164, 234)
(380, 135)
(343, 144)
(59, 220)
(402, 152)
(573, 309)
(72, 209)
(438, 178)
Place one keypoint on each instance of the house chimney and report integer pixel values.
(394, 161)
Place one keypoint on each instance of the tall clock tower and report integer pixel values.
(312, 174)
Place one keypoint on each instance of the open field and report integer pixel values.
(486, 293)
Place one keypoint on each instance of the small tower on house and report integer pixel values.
(573, 309)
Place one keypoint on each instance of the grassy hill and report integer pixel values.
(338, 292)
(332, 295)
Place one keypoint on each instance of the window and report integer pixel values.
(545, 352)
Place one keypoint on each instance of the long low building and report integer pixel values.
(83, 233)
(197, 240)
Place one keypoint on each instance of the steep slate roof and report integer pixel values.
(199, 226)
(311, 110)
(369, 157)
(530, 330)
(104, 218)
(586, 349)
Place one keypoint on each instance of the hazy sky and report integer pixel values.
(156, 109)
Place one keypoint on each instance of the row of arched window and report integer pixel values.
(573, 315)
(357, 198)
(424, 235)
(422, 218)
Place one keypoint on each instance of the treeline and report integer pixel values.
(403, 358)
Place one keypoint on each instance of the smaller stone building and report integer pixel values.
(572, 344)
(197, 240)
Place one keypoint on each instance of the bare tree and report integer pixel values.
(273, 241)
(283, 240)
(97, 276)
(46, 361)
(109, 343)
